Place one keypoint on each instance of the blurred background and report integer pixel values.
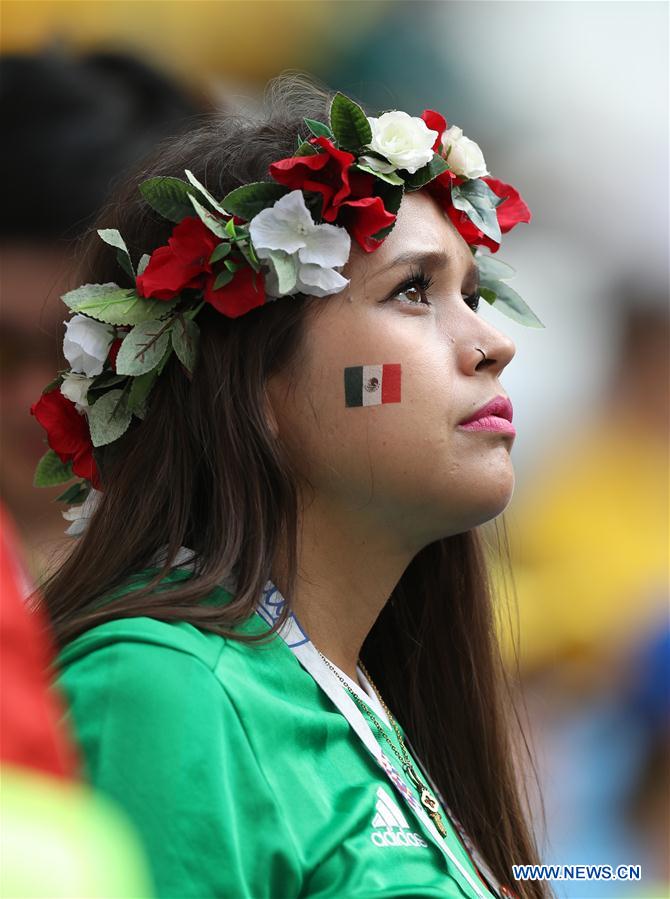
(569, 102)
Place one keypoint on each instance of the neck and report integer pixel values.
(348, 567)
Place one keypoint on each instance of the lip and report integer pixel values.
(496, 415)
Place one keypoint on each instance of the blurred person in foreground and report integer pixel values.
(59, 838)
(73, 124)
(589, 542)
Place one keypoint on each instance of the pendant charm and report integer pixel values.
(428, 801)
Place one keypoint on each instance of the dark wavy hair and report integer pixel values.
(204, 470)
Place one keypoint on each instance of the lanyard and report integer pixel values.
(269, 608)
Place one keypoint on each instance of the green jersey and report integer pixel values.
(241, 768)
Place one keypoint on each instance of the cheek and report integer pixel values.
(376, 408)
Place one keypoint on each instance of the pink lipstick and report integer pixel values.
(496, 415)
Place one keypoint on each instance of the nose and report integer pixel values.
(498, 347)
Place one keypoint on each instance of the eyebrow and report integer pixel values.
(433, 258)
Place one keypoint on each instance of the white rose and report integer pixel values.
(86, 344)
(75, 387)
(465, 158)
(404, 140)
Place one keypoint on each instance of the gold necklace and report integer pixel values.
(427, 799)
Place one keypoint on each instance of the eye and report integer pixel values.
(418, 281)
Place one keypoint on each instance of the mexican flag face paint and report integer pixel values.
(371, 385)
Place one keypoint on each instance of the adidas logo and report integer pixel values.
(396, 831)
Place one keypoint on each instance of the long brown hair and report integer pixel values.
(204, 470)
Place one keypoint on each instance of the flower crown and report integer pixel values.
(268, 239)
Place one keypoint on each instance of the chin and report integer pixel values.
(499, 497)
(487, 498)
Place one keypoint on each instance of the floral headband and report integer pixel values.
(286, 236)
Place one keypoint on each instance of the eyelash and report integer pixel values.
(419, 278)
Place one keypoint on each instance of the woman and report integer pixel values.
(285, 546)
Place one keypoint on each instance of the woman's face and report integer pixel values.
(403, 465)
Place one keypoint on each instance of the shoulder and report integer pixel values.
(165, 666)
(128, 680)
(144, 638)
(160, 731)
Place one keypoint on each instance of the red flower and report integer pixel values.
(346, 196)
(510, 212)
(180, 264)
(363, 218)
(184, 263)
(114, 352)
(244, 292)
(436, 122)
(67, 433)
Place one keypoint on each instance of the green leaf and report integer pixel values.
(185, 336)
(115, 305)
(491, 269)
(108, 418)
(349, 123)
(142, 349)
(224, 277)
(426, 173)
(205, 193)
(306, 149)
(52, 385)
(168, 196)
(390, 178)
(319, 129)
(142, 264)
(193, 310)
(165, 359)
(139, 392)
(215, 225)
(104, 382)
(247, 201)
(75, 494)
(231, 228)
(220, 252)
(285, 268)
(392, 197)
(476, 199)
(246, 248)
(50, 470)
(510, 303)
(113, 237)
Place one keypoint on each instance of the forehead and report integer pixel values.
(421, 225)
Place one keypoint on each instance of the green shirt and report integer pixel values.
(239, 772)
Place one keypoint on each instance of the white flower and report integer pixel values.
(86, 344)
(465, 158)
(79, 515)
(75, 387)
(303, 256)
(405, 140)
